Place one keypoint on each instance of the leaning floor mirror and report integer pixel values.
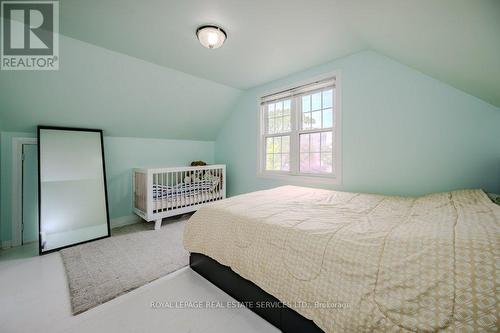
(73, 206)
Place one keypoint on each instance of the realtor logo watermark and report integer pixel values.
(30, 35)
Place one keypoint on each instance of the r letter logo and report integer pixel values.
(30, 35)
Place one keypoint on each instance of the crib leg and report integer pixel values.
(157, 224)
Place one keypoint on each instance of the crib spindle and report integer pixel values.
(163, 186)
(169, 192)
(190, 191)
(198, 192)
(183, 181)
(160, 193)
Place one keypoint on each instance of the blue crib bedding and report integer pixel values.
(184, 189)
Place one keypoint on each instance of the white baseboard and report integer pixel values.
(124, 220)
(6, 244)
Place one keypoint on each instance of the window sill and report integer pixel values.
(300, 179)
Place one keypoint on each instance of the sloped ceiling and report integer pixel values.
(455, 41)
(124, 96)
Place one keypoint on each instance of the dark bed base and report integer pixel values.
(245, 291)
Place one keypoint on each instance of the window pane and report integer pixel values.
(278, 153)
(304, 162)
(327, 118)
(269, 161)
(315, 147)
(306, 103)
(315, 142)
(286, 123)
(327, 99)
(285, 144)
(326, 162)
(270, 110)
(326, 141)
(278, 125)
(285, 162)
(279, 109)
(316, 119)
(286, 107)
(304, 143)
(269, 145)
(306, 120)
(270, 125)
(277, 162)
(316, 101)
(314, 162)
(277, 145)
(278, 120)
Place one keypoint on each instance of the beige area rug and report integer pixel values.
(135, 255)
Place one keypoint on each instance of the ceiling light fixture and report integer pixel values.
(211, 36)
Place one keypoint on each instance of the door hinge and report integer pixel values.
(22, 157)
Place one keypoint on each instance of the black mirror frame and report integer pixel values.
(76, 129)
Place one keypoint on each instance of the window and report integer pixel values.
(299, 131)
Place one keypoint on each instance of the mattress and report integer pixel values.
(360, 262)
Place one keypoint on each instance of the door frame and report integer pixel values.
(17, 183)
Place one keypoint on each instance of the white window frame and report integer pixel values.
(294, 174)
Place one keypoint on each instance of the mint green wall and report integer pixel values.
(403, 132)
(121, 155)
(125, 96)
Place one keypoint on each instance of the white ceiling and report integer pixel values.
(455, 41)
(266, 39)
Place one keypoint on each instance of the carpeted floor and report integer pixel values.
(135, 255)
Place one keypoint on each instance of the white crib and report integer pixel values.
(164, 192)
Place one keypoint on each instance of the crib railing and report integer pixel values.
(163, 192)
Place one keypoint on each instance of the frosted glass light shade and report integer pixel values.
(211, 36)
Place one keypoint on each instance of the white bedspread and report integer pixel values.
(356, 262)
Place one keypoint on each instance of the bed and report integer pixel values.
(165, 192)
(359, 262)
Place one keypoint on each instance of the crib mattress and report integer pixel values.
(172, 202)
(359, 262)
